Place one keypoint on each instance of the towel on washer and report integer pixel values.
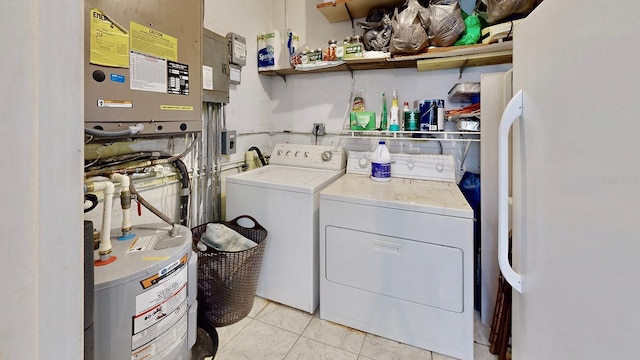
(222, 238)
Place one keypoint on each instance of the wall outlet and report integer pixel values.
(318, 129)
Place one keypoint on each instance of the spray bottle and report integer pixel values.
(383, 113)
(394, 124)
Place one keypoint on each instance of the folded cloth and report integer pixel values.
(220, 237)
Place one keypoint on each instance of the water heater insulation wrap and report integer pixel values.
(145, 301)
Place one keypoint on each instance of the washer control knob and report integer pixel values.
(362, 162)
(280, 152)
(410, 165)
(326, 156)
(306, 154)
(288, 153)
(297, 153)
(440, 167)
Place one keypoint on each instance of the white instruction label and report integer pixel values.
(160, 322)
(148, 73)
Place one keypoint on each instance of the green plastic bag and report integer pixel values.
(473, 30)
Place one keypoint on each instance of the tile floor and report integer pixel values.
(278, 332)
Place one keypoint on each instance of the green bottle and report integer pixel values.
(383, 114)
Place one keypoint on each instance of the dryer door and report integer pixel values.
(415, 271)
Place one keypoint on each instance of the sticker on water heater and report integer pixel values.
(115, 103)
(176, 107)
(142, 243)
(153, 42)
(160, 339)
(154, 316)
(164, 273)
(177, 78)
(108, 40)
(117, 78)
(147, 72)
(158, 301)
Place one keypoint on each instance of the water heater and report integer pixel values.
(145, 299)
(143, 65)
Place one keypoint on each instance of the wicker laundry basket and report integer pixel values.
(227, 280)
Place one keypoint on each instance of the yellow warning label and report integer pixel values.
(153, 42)
(108, 41)
(176, 107)
(154, 258)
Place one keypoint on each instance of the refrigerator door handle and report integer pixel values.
(512, 112)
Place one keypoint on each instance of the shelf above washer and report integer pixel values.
(413, 135)
(453, 57)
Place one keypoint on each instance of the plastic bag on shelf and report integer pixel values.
(473, 31)
(446, 22)
(409, 35)
(378, 29)
(493, 11)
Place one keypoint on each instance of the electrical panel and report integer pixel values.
(215, 67)
(228, 142)
(143, 64)
(237, 49)
(237, 57)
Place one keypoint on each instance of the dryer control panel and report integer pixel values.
(434, 167)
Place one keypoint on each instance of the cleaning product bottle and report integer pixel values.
(383, 114)
(381, 163)
(394, 124)
(405, 116)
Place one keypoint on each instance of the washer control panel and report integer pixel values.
(433, 167)
(309, 156)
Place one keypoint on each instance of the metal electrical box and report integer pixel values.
(228, 142)
(143, 65)
(215, 67)
(237, 49)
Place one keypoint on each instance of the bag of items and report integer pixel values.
(495, 10)
(409, 35)
(446, 22)
(473, 31)
(377, 34)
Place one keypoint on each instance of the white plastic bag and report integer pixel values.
(409, 36)
(495, 10)
(446, 22)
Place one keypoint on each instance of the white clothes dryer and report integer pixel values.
(396, 258)
(284, 197)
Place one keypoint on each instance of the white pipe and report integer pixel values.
(125, 202)
(107, 189)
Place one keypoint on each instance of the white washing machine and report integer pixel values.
(396, 258)
(284, 197)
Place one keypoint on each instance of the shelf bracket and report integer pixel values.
(462, 67)
(284, 77)
(350, 17)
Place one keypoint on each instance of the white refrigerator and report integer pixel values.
(575, 265)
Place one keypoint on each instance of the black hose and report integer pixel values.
(262, 160)
(186, 190)
(94, 201)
